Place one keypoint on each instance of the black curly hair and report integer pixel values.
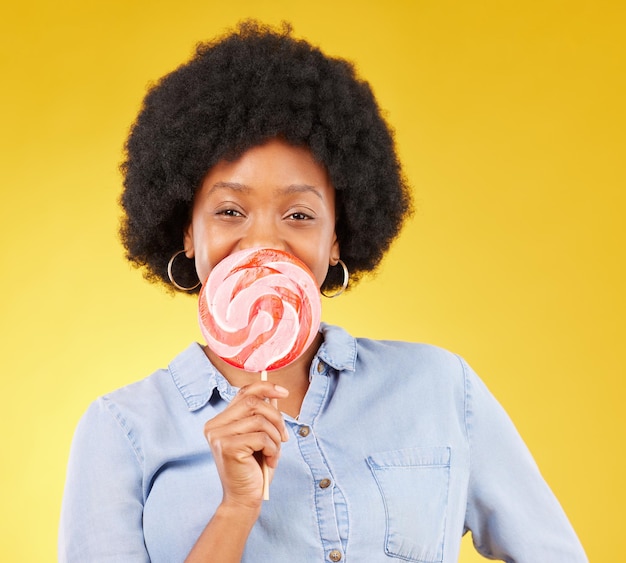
(254, 84)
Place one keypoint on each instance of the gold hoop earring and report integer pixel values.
(346, 278)
(171, 276)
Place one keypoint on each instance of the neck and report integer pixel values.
(294, 377)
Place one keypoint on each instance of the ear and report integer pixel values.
(334, 251)
(188, 241)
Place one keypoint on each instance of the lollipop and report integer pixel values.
(259, 310)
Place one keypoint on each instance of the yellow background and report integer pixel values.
(510, 120)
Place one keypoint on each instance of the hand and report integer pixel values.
(248, 428)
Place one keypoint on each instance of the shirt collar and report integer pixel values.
(338, 349)
(197, 378)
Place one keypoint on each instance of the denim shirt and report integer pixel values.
(399, 449)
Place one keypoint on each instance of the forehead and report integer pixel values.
(275, 165)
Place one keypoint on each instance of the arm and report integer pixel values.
(102, 508)
(249, 426)
(225, 536)
(102, 511)
(511, 511)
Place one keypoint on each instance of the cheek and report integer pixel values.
(319, 266)
(203, 261)
(203, 272)
(320, 276)
(207, 256)
(195, 237)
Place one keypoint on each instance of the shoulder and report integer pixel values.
(393, 359)
(151, 417)
(399, 351)
(430, 369)
(176, 383)
(169, 390)
(142, 397)
(344, 348)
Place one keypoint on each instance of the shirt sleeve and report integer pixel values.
(101, 516)
(512, 513)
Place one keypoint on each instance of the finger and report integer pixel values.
(263, 389)
(241, 448)
(249, 405)
(249, 424)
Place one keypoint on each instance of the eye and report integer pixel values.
(299, 216)
(229, 212)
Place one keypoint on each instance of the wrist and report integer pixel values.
(242, 511)
(233, 520)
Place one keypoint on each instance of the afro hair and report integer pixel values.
(251, 85)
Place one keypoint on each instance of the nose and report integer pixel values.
(262, 233)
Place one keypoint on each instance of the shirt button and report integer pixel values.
(320, 367)
(304, 431)
(335, 555)
(324, 484)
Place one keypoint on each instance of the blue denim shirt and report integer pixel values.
(399, 449)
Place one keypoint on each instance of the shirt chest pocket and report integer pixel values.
(414, 486)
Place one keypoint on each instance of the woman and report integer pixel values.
(378, 451)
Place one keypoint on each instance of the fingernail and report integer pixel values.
(281, 389)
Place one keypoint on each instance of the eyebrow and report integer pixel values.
(298, 188)
(229, 185)
(290, 189)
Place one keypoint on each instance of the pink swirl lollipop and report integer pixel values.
(259, 309)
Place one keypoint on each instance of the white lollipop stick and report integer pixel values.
(264, 467)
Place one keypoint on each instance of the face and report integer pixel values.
(275, 196)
